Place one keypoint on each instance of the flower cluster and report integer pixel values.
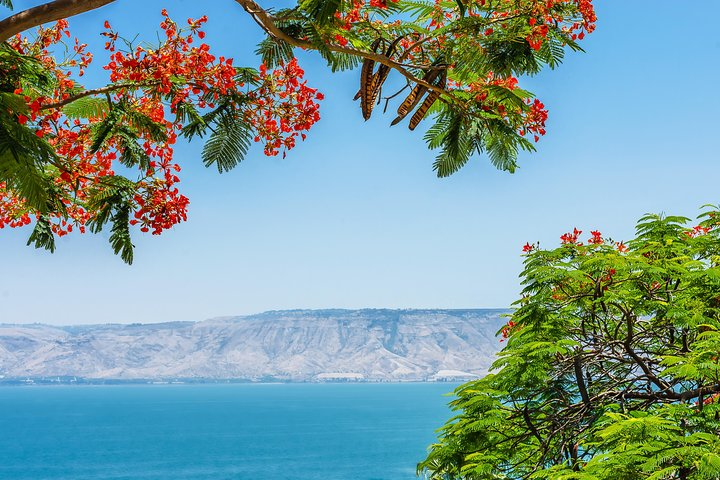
(596, 238)
(143, 108)
(548, 13)
(528, 121)
(535, 118)
(12, 210)
(507, 330)
(357, 11)
(537, 35)
(572, 18)
(571, 238)
(285, 108)
(203, 74)
(697, 231)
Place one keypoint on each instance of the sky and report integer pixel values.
(354, 217)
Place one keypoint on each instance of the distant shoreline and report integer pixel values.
(294, 311)
(20, 383)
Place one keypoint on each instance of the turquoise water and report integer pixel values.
(176, 432)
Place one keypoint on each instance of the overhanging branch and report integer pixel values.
(48, 12)
(60, 9)
(267, 23)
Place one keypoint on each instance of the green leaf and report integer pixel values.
(228, 143)
(102, 131)
(142, 123)
(456, 147)
(87, 107)
(131, 152)
(120, 233)
(322, 12)
(42, 235)
(274, 52)
(502, 152)
(23, 157)
(15, 103)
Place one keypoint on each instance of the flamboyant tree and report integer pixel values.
(611, 369)
(81, 157)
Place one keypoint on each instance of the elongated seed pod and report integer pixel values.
(366, 81)
(415, 95)
(389, 53)
(429, 100)
(382, 73)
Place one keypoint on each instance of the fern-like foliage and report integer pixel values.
(87, 107)
(124, 120)
(103, 130)
(460, 134)
(112, 202)
(23, 158)
(42, 235)
(228, 144)
(321, 12)
(131, 152)
(120, 240)
(456, 147)
(274, 52)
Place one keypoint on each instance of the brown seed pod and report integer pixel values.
(429, 100)
(382, 73)
(366, 81)
(415, 95)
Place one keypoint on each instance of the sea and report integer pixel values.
(327, 431)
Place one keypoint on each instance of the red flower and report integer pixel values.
(570, 238)
(697, 231)
(596, 237)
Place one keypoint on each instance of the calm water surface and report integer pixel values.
(175, 432)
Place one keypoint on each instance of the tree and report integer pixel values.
(62, 144)
(611, 369)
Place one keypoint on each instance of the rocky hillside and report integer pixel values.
(296, 345)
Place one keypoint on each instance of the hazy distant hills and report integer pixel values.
(296, 345)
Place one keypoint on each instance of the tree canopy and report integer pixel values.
(611, 369)
(77, 157)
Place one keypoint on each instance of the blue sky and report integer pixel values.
(354, 216)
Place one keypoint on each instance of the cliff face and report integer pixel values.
(297, 345)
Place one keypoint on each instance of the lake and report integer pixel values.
(233, 431)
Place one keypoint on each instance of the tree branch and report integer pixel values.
(48, 12)
(528, 422)
(577, 367)
(95, 91)
(267, 23)
(59, 9)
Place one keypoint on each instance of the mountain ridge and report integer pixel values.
(279, 345)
